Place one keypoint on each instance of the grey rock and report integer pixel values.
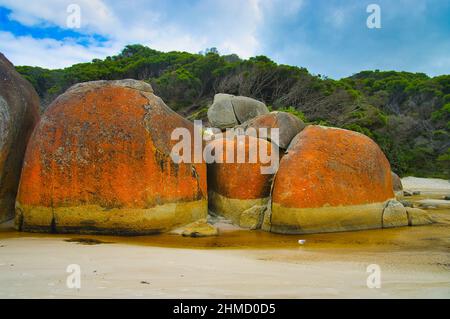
(406, 203)
(247, 108)
(19, 113)
(394, 215)
(252, 218)
(228, 110)
(396, 182)
(417, 217)
(434, 204)
(288, 126)
(221, 112)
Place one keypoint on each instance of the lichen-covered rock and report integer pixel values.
(99, 162)
(228, 110)
(239, 191)
(287, 124)
(417, 217)
(394, 215)
(330, 180)
(19, 113)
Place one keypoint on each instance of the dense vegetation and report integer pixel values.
(407, 114)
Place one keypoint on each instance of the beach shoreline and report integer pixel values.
(414, 263)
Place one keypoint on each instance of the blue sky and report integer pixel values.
(328, 37)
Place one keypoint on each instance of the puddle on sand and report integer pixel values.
(434, 237)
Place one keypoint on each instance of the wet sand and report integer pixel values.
(414, 262)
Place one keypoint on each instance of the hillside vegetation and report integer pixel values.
(407, 114)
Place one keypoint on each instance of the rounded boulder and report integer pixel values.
(287, 124)
(228, 110)
(330, 180)
(99, 162)
(239, 188)
(19, 114)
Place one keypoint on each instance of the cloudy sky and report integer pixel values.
(329, 37)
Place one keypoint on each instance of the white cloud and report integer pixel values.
(96, 15)
(230, 25)
(49, 53)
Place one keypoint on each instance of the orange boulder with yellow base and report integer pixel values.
(99, 162)
(331, 180)
(239, 189)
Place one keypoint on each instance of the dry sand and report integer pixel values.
(414, 261)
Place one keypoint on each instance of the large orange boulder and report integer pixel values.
(331, 180)
(238, 188)
(19, 113)
(99, 162)
(288, 126)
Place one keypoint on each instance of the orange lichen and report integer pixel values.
(102, 146)
(240, 180)
(332, 167)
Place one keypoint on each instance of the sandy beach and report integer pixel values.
(414, 263)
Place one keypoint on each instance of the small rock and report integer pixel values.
(418, 217)
(447, 197)
(228, 110)
(199, 228)
(396, 182)
(252, 218)
(406, 203)
(394, 215)
(145, 282)
(407, 193)
(415, 193)
(434, 204)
